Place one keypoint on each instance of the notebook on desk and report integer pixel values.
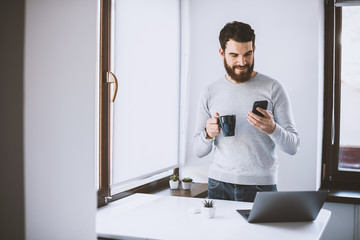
(296, 206)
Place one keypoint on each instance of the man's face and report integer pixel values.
(238, 60)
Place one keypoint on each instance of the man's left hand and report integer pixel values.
(265, 124)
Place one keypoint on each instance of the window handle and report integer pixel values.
(111, 78)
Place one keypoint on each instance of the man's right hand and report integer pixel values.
(212, 126)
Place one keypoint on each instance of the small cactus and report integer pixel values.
(208, 203)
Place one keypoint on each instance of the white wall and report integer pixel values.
(60, 77)
(289, 48)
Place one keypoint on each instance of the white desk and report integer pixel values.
(146, 216)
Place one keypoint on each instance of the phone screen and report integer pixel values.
(262, 104)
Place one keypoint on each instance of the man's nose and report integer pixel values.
(242, 61)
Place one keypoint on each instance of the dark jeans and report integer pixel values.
(235, 192)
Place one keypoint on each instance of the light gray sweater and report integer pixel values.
(249, 157)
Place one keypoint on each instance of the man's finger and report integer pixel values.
(213, 121)
(259, 125)
(254, 116)
(256, 120)
(213, 128)
(252, 121)
(263, 111)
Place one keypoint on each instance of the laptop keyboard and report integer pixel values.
(244, 213)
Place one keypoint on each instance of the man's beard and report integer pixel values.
(242, 76)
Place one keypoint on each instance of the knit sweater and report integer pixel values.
(249, 157)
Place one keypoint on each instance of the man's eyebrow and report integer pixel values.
(247, 53)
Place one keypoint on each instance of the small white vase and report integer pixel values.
(186, 185)
(208, 212)
(174, 184)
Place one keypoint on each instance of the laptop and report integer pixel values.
(297, 206)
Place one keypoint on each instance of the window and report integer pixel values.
(341, 142)
(146, 60)
(139, 93)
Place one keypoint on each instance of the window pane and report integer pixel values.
(349, 152)
(146, 110)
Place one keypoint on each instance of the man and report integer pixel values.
(245, 163)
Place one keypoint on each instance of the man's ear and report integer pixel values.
(222, 53)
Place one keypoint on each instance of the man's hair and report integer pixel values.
(237, 31)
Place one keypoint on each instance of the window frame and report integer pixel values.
(104, 103)
(332, 177)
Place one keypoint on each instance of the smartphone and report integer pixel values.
(262, 104)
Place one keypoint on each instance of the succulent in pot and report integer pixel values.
(174, 181)
(186, 183)
(208, 209)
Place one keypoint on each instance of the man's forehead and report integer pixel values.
(242, 47)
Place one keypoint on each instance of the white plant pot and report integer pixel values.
(186, 185)
(174, 184)
(208, 212)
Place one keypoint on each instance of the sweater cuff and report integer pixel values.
(276, 134)
(204, 139)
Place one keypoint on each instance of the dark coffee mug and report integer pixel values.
(227, 124)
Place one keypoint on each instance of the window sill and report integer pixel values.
(343, 196)
(161, 187)
(198, 190)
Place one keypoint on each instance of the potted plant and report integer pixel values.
(186, 183)
(174, 181)
(208, 209)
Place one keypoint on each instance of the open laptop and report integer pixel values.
(299, 206)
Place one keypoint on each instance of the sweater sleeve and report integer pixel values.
(201, 145)
(285, 135)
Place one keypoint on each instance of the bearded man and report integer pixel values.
(245, 163)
